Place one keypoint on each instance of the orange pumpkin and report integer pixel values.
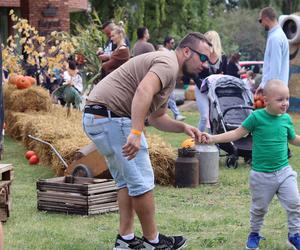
(188, 143)
(23, 83)
(13, 78)
(31, 79)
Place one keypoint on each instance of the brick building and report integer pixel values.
(45, 15)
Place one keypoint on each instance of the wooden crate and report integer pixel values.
(6, 173)
(77, 195)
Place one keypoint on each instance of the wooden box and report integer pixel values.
(77, 195)
(6, 172)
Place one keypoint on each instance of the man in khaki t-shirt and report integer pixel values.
(114, 119)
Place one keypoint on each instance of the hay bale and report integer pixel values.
(35, 98)
(162, 158)
(66, 135)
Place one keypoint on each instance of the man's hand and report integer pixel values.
(132, 146)
(192, 132)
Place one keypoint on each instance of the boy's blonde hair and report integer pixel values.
(215, 40)
(271, 84)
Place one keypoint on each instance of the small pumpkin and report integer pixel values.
(13, 78)
(23, 83)
(259, 102)
(31, 79)
(188, 143)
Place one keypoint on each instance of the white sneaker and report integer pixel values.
(180, 118)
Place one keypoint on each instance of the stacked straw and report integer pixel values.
(30, 112)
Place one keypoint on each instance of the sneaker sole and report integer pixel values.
(183, 246)
(121, 248)
(291, 245)
(252, 248)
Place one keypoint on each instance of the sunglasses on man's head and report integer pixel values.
(203, 58)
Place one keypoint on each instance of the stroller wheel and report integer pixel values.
(232, 162)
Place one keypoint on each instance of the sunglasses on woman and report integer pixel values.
(203, 58)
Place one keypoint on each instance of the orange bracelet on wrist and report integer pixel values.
(136, 132)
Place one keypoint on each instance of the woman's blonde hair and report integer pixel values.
(215, 40)
(119, 29)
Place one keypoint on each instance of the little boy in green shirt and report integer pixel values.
(271, 174)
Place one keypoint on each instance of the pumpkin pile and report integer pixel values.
(259, 101)
(21, 82)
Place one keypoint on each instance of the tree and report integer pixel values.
(239, 31)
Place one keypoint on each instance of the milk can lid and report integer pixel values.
(186, 152)
(206, 148)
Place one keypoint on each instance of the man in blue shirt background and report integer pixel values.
(276, 58)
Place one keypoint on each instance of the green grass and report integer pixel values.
(210, 216)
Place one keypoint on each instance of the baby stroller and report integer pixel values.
(230, 103)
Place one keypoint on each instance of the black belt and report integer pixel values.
(98, 109)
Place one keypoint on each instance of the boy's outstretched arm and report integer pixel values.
(229, 136)
(295, 141)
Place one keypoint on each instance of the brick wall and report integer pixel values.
(77, 5)
(49, 15)
(9, 3)
(36, 12)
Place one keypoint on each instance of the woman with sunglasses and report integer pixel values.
(217, 66)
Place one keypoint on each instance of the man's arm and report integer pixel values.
(162, 121)
(275, 60)
(140, 106)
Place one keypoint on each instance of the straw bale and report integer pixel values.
(35, 98)
(162, 158)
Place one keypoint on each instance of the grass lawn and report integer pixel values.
(210, 216)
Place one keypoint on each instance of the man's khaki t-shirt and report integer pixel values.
(116, 91)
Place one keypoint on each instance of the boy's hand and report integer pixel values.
(206, 138)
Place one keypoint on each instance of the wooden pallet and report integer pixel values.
(7, 175)
(77, 195)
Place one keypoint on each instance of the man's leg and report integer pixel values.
(126, 212)
(145, 209)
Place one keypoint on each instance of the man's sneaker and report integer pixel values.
(294, 241)
(253, 241)
(165, 243)
(180, 118)
(121, 244)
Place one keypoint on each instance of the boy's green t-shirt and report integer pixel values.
(270, 135)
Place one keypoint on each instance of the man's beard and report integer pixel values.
(186, 72)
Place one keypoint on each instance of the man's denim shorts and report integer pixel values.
(110, 135)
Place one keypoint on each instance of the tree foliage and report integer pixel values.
(239, 31)
(161, 17)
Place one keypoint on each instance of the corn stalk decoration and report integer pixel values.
(27, 48)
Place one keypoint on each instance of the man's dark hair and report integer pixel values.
(72, 65)
(192, 39)
(141, 32)
(105, 24)
(269, 12)
(168, 39)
